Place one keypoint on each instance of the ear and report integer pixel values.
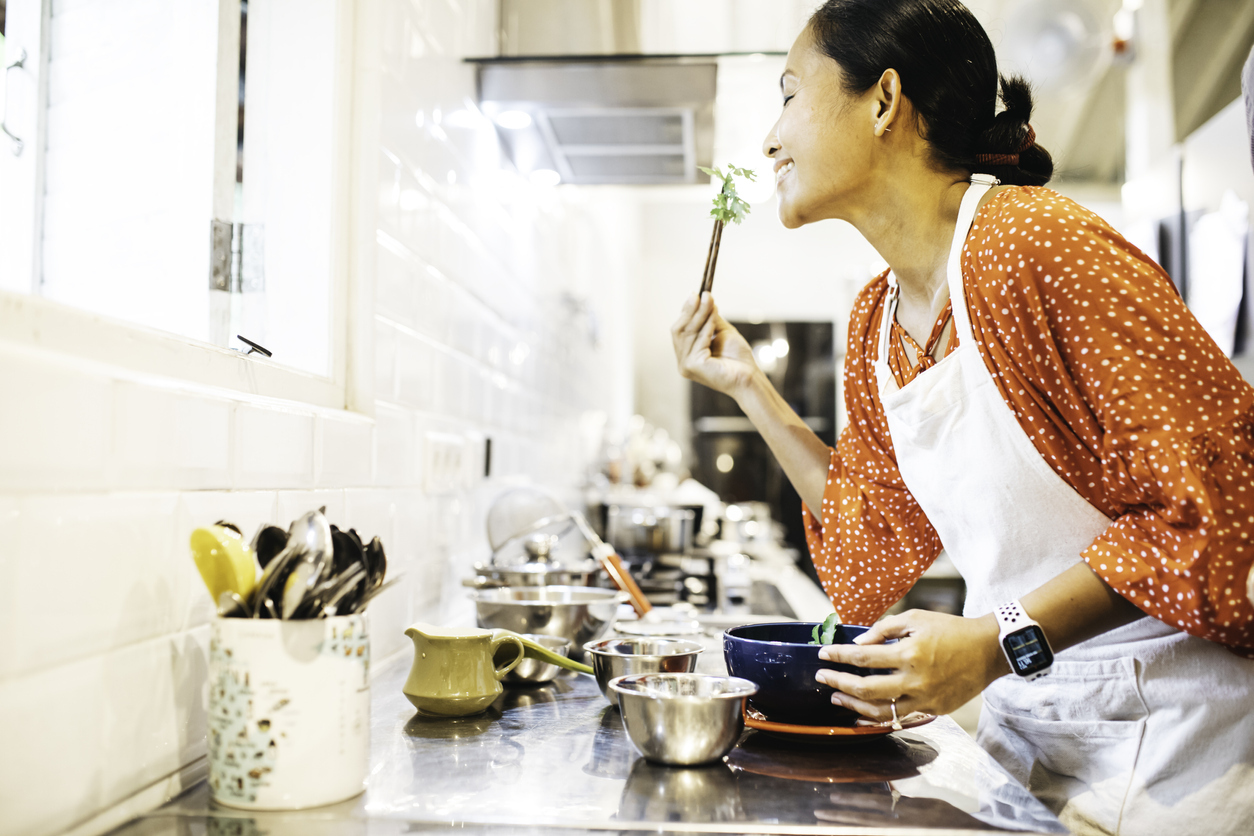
(886, 101)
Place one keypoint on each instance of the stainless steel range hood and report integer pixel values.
(620, 91)
(572, 92)
(638, 120)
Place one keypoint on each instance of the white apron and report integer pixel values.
(1142, 730)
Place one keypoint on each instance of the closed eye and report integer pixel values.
(788, 99)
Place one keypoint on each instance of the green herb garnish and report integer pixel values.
(729, 207)
(825, 633)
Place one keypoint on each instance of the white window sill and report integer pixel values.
(42, 324)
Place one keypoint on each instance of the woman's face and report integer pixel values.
(821, 143)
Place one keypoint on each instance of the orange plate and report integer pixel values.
(756, 720)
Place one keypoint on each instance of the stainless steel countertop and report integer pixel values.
(555, 758)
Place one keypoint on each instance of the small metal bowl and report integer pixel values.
(535, 671)
(631, 655)
(682, 719)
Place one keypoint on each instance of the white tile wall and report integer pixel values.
(167, 437)
(273, 447)
(56, 426)
(84, 736)
(105, 472)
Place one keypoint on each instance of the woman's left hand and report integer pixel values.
(938, 663)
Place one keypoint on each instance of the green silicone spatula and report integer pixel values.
(532, 650)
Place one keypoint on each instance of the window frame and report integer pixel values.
(29, 319)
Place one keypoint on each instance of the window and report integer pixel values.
(185, 170)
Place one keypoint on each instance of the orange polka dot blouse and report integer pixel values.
(1119, 388)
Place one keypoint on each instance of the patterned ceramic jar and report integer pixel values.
(289, 711)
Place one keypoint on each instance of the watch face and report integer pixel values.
(1028, 651)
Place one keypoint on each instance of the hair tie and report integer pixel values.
(1009, 159)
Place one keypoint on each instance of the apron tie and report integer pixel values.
(899, 361)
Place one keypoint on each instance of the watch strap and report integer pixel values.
(1010, 617)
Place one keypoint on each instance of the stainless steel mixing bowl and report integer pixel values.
(682, 719)
(577, 613)
(535, 671)
(612, 658)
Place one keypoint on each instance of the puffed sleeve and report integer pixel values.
(1106, 342)
(870, 541)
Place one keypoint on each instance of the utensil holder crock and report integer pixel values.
(289, 711)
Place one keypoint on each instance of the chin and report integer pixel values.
(790, 219)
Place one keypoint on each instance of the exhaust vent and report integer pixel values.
(633, 121)
(625, 145)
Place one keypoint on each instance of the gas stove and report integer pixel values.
(708, 582)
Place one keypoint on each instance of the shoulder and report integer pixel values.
(1037, 219)
(1034, 215)
(1033, 233)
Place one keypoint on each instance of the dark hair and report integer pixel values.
(948, 72)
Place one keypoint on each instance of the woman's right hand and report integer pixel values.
(709, 350)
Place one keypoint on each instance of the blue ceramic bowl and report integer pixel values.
(781, 661)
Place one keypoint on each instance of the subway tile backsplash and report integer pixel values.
(104, 473)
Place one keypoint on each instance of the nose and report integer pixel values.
(771, 145)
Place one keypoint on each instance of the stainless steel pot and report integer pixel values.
(746, 522)
(659, 529)
(536, 566)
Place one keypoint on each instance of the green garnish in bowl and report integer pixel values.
(825, 633)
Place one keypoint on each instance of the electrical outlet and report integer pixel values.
(444, 459)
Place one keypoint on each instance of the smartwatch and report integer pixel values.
(1023, 641)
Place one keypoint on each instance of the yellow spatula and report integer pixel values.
(225, 562)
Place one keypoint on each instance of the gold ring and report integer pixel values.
(896, 722)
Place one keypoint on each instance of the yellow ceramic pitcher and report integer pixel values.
(453, 673)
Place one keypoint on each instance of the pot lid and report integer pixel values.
(548, 568)
(528, 525)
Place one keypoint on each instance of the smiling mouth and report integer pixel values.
(784, 169)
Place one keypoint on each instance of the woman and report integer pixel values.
(1026, 389)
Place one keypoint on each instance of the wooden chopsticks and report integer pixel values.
(711, 258)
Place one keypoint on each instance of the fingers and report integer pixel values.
(693, 313)
(863, 656)
(870, 696)
(705, 337)
(868, 688)
(693, 332)
(893, 627)
(878, 711)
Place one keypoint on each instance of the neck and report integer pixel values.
(910, 222)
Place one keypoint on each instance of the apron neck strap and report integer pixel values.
(980, 184)
(886, 326)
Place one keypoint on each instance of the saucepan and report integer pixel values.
(537, 564)
(660, 529)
